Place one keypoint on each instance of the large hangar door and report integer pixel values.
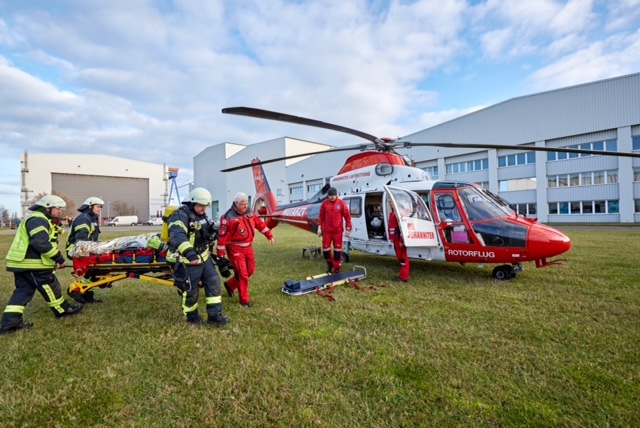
(117, 192)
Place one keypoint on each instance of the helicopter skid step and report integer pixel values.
(318, 282)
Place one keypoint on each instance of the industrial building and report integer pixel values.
(555, 187)
(128, 187)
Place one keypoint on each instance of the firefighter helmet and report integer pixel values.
(49, 201)
(93, 201)
(90, 202)
(199, 195)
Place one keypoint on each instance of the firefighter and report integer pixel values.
(191, 235)
(237, 229)
(33, 259)
(395, 235)
(85, 227)
(334, 213)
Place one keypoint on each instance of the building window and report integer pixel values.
(295, 190)
(574, 179)
(517, 184)
(432, 171)
(575, 207)
(516, 159)
(586, 207)
(278, 192)
(636, 143)
(314, 187)
(528, 210)
(468, 166)
(636, 174)
(598, 177)
(586, 178)
(637, 203)
(607, 145)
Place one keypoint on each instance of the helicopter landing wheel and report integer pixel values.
(504, 272)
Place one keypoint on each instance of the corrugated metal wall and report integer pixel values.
(113, 190)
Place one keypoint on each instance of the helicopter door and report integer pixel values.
(418, 229)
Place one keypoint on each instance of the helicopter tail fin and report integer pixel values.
(265, 201)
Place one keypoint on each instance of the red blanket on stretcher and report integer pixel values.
(132, 255)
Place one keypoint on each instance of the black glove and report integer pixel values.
(224, 266)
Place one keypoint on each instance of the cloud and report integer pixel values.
(615, 56)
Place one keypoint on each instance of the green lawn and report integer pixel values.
(558, 346)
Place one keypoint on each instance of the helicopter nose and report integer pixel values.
(545, 241)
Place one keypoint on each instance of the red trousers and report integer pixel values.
(401, 254)
(336, 240)
(244, 264)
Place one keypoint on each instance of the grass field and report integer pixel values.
(558, 346)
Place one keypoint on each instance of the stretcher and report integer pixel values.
(316, 283)
(104, 268)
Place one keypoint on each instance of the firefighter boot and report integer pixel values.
(69, 309)
(12, 322)
(12, 329)
(194, 318)
(337, 261)
(329, 260)
(215, 315)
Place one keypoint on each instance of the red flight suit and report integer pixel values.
(234, 242)
(399, 247)
(330, 219)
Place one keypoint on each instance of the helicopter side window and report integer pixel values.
(447, 209)
(355, 206)
(448, 212)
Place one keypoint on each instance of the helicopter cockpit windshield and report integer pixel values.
(480, 206)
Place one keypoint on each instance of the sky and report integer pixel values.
(147, 79)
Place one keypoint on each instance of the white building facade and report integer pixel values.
(142, 187)
(552, 186)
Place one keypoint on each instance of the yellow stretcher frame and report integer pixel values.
(104, 275)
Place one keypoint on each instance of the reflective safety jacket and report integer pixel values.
(35, 246)
(190, 234)
(84, 228)
(239, 229)
(331, 215)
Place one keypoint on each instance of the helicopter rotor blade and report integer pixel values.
(282, 117)
(361, 147)
(406, 144)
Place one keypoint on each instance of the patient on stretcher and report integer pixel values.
(146, 248)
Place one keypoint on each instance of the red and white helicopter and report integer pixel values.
(440, 220)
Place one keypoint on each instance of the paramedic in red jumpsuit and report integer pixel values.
(237, 228)
(330, 226)
(398, 245)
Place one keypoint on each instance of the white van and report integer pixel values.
(123, 220)
(154, 221)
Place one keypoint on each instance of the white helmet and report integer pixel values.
(49, 201)
(199, 195)
(93, 201)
